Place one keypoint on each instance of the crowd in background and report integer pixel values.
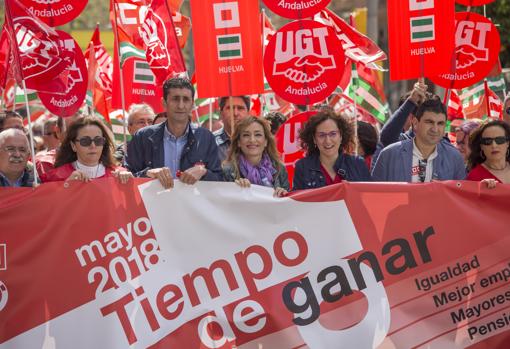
(413, 146)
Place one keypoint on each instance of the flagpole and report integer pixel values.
(30, 132)
(486, 90)
(8, 18)
(121, 78)
(354, 90)
(210, 114)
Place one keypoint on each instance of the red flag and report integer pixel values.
(100, 84)
(357, 46)
(421, 37)
(455, 110)
(228, 48)
(38, 52)
(494, 104)
(5, 55)
(182, 27)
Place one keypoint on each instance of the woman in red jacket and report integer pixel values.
(86, 153)
(489, 160)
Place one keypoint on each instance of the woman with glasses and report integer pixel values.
(253, 159)
(326, 139)
(85, 154)
(490, 154)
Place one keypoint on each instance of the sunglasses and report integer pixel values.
(87, 141)
(498, 140)
(422, 170)
(507, 110)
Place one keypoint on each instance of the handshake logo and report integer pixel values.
(302, 56)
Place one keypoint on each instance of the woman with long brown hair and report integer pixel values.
(253, 159)
(86, 153)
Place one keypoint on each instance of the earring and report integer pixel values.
(482, 155)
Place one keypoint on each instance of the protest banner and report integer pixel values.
(228, 47)
(476, 52)
(304, 62)
(218, 266)
(421, 37)
(55, 12)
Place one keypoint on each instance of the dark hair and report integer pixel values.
(246, 100)
(158, 115)
(367, 137)
(66, 155)
(276, 119)
(307, 133)
(178, 83)
(431, 104)
(6, 115)
(475, 139)
(234, 151)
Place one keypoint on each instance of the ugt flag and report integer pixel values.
(421, 37)
(228, 47)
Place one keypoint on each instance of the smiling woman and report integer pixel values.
(85, 154)
(253, 158)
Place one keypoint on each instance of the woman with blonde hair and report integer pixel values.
(253, 159)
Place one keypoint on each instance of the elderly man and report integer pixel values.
(14, 153)
(139, 116)
(175, 148)
(236, 108)
(425, 157)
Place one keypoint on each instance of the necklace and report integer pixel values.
(495, 168)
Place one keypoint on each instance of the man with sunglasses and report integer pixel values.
(14, 153)
(175, 148)
(425, 157)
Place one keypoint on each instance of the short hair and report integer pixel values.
(158, 116)
(431, 104)
(66, 155)
(178, 82)
(11, 132)
(235, 151)
(6, 115)
(139, 108)
(367, 137)
(223, 101)
(307, 133)
(49, 124)
(475, 141)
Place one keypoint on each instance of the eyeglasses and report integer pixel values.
(87, 141)
(422, 170)
(12, 150)
(323, 135)
(498, 140)
(54, 134)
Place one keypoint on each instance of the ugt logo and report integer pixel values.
(3, 257)
(471, 39)
(303, 55)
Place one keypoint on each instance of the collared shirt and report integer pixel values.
(422, 169)
(25, 180)
(173, 147)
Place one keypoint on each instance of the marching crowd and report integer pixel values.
(412, 146)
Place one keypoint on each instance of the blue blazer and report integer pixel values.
(146, 151)
(396, 160)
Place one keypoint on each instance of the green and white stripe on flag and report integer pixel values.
(128, 50)
(422, 28)
(229, 46)
(116, 119)
(367, 97)
(19, 97)
(142, 73)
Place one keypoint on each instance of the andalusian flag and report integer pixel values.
(367, 91)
